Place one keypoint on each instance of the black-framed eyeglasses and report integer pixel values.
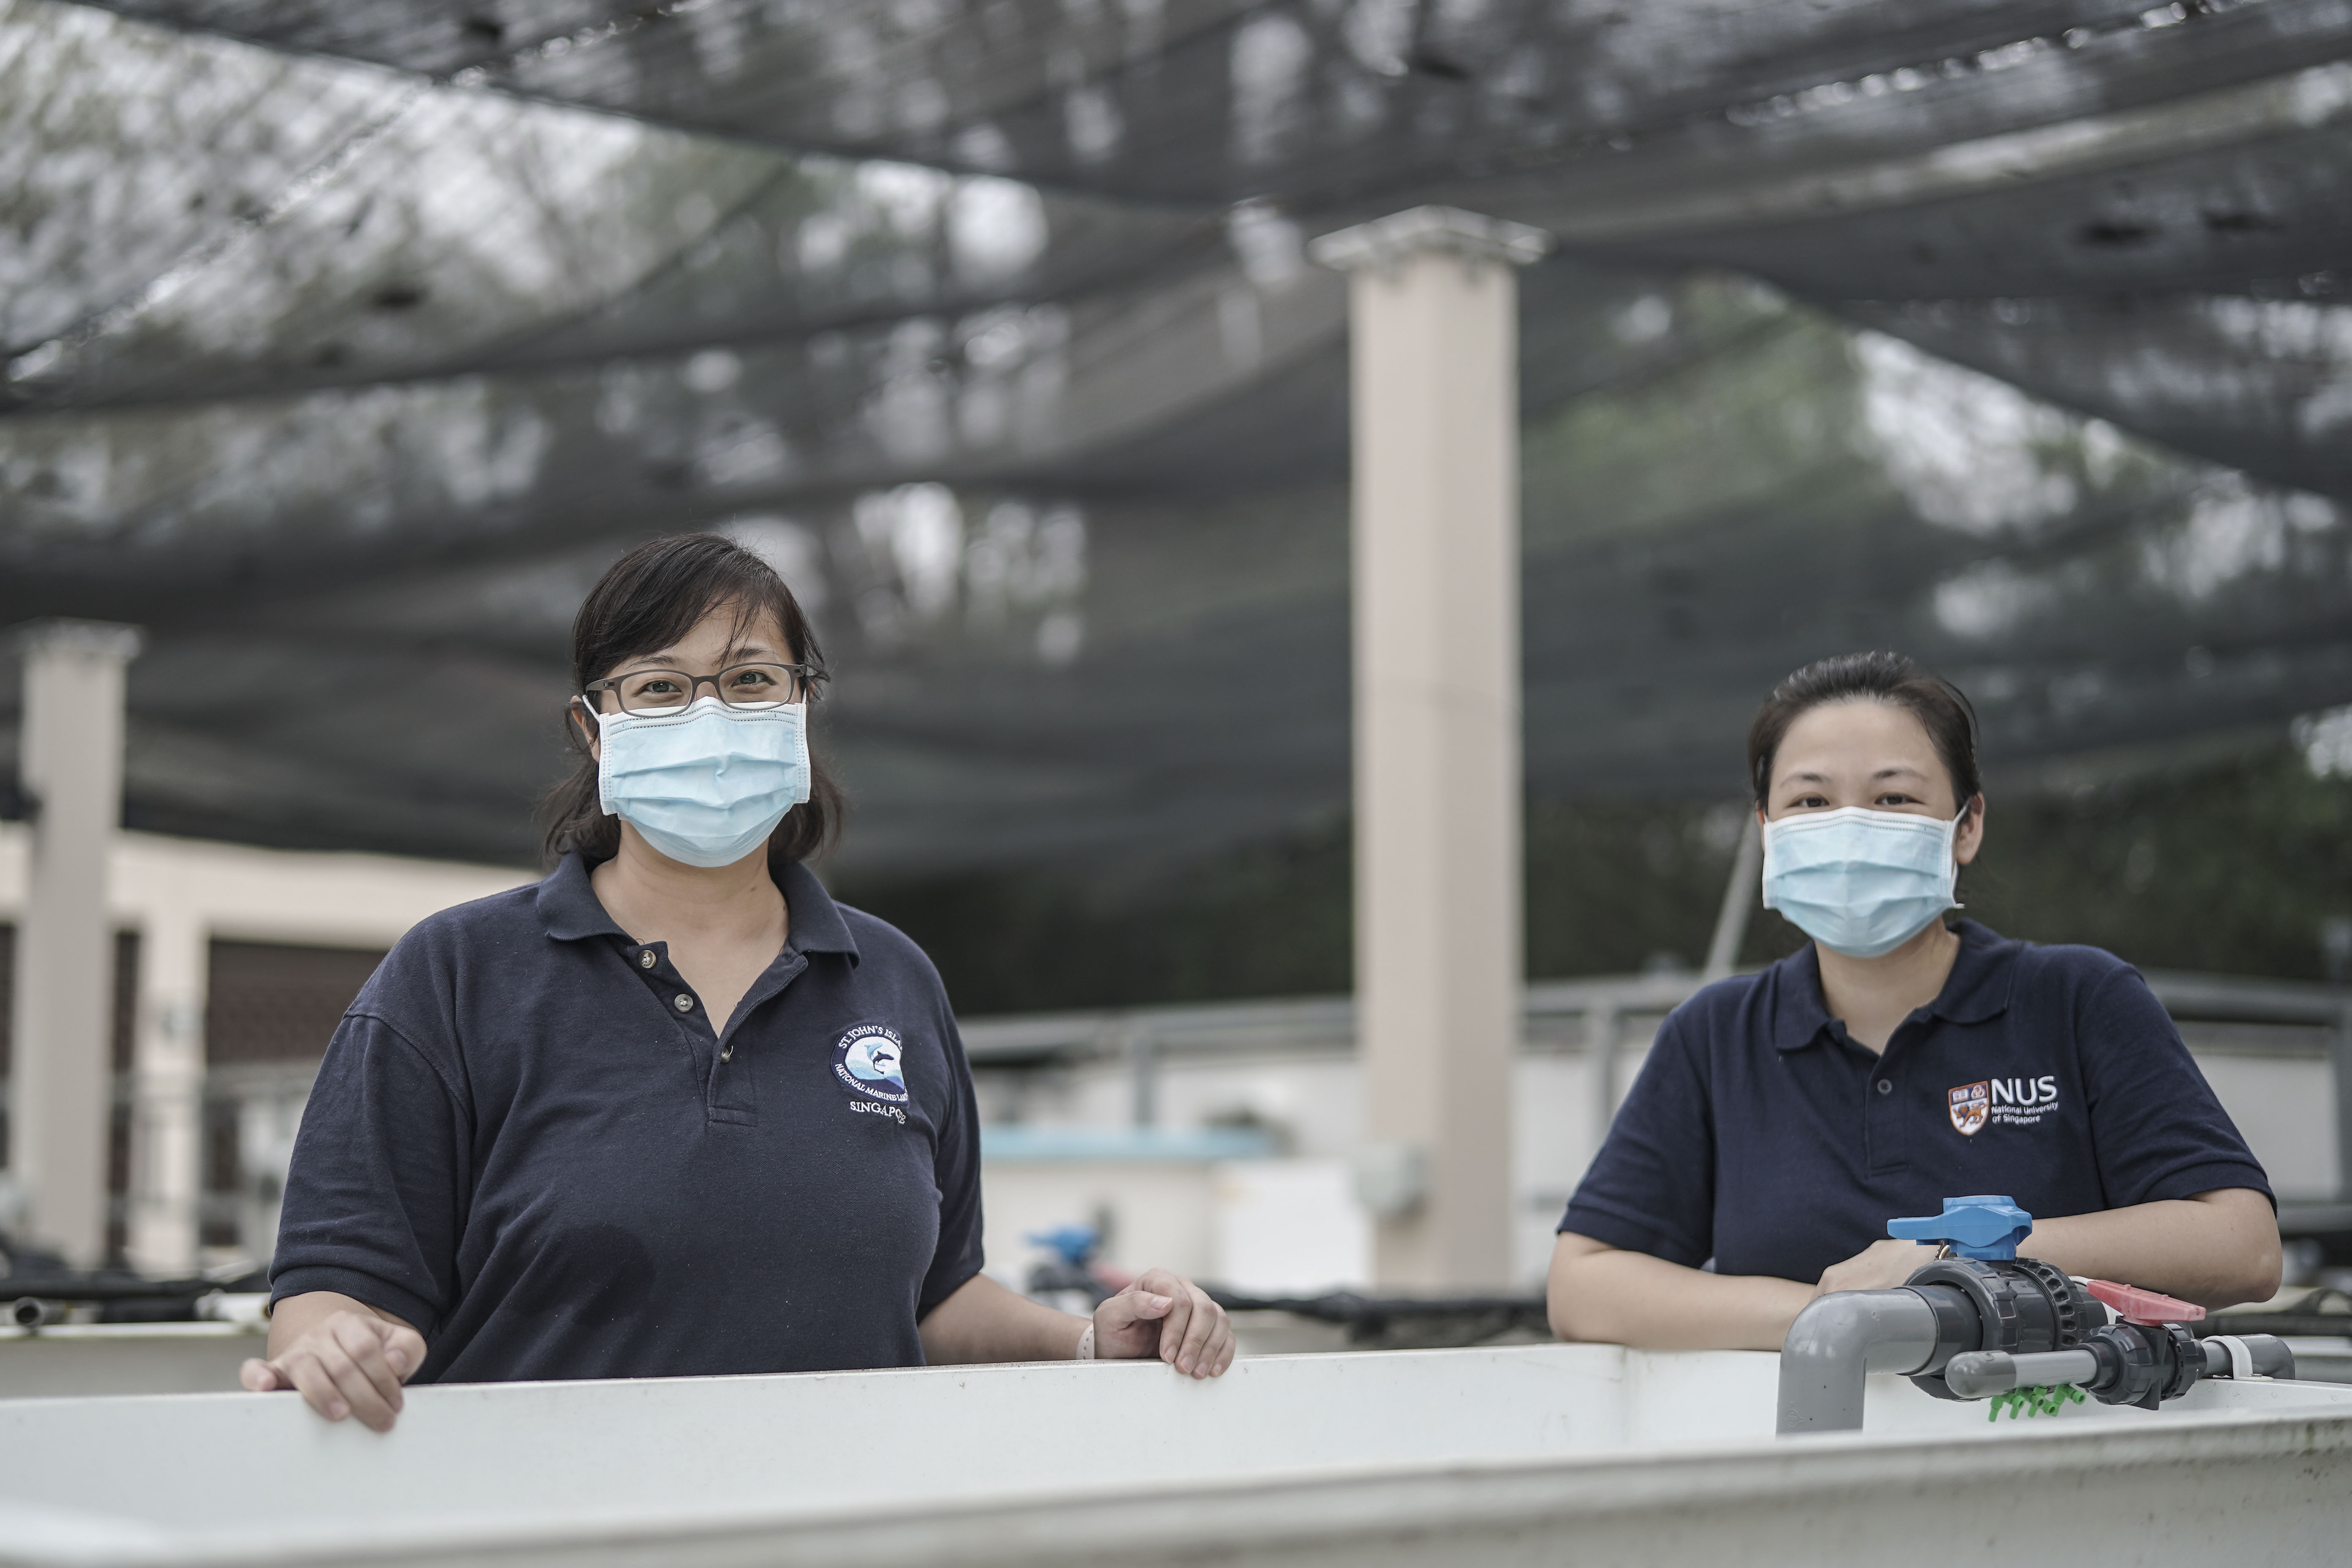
(752, 686)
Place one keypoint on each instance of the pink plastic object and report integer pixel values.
(2135, 1305)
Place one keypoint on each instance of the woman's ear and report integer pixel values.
(1968, 837)
(584, 728)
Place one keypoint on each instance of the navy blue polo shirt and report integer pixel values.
(1759, 1135)
(529, 1139)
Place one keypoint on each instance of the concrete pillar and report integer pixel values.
(1433, 327)
(71, 767)
(167, 1096)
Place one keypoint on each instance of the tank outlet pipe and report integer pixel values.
(1978, 1296)
(1981, 1374)
(2264, 1355)
(2121, 1363)
(32, 1312)
(1837, 1342)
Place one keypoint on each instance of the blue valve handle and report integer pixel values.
(1076, 1244)
(1984, 1226)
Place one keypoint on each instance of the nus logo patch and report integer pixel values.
(2008, 1101)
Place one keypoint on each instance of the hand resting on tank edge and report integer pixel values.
(1167, 1315)
(343, 1356)
(1161, 1315)
(1881, 1266)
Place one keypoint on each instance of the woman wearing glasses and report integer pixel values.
(671, 1110)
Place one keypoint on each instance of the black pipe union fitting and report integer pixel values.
(2021, 1305)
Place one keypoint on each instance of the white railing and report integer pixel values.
(1589, 1016)
(1595, 1019)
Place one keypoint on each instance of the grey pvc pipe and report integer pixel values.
(2268, 1352)
(32, 1313)
(1981, 1374)
(1839, 1339)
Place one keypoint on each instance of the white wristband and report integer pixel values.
(1086, 1346)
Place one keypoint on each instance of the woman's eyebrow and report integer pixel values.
(1901, 769)
(668, 658)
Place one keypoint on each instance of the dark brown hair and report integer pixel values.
(1941, 707)
(646, 602)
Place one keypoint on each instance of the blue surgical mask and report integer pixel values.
(707, 784)
(1859, 882)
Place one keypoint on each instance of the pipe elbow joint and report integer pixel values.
(1837, 1342)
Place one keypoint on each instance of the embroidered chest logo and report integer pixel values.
(867, 1059)
(2010, 1102)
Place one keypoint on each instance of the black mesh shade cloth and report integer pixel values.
(345, 344)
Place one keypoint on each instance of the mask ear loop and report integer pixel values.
(1958, 823)
(581, 707)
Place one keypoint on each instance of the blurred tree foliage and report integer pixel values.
(2230, 868)
(1271, 919)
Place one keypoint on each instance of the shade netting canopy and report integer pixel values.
(344, 345)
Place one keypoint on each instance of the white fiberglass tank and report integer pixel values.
(1549, 1453)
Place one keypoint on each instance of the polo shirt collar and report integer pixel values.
(1799, 1013)
(1979, 985)
(570, 906)
(1977, 989)
(817, 924)
(567, 902)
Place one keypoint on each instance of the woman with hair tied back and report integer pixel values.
(671, 1110)
(1783, 1117)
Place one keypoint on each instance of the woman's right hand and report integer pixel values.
(343, 1357)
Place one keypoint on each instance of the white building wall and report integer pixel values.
(179, 895)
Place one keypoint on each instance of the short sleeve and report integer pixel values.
(374, 1198)
(956, 1172)
(1652, 1187)
(2157, 1128)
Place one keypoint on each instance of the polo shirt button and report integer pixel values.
(648, 960)
(685, 1003)
(1885, 1086)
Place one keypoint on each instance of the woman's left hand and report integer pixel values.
(1881, 1266)
(1168, 1316)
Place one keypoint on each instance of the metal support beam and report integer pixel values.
(72, 766)
(1604, 1035)
(1434, 327)
(1741, 896)
(1142, 1050)
(2340, 1059)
